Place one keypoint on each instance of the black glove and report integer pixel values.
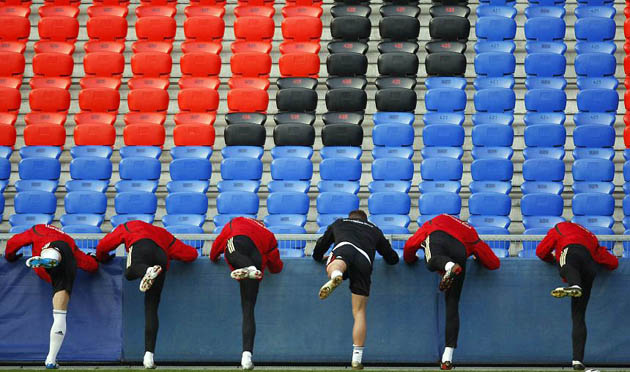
(14, 258)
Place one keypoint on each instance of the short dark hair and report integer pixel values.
(358, 215)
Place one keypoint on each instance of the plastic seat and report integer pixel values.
(540, 204)
(186, 203)
(445, 100)
(15, 33)
(393, 135)
(35, 202)
(594, 204)
(52, 152)
(74, 222)
(49, 100)
(292, 135)
(598, 100)
(336, 203)
(485, 10)
(387, 186)
(545, 100)
(433, 203)
(495, 32)
(289, 11)
(91, 168)
(550, 137)
(392, 169)
(291, 151)
(489, 204)
(350, 28)
(193, 135)
(143, 134)
(39, 168)
(190, 169)
(494, 70)
(247, 100)
(15, 10)
(193, 151)
(44, 135)
(390, 203)
(197, 10)
(250, 70)
(288, 203)
(598, 170)
(396, 100)
(440, 10)
(139, 168)
(441, 169)
(301, 34)
(494, 169)
(98, 151)
(448, 28)
(102, 70)
(405, 28)
(405, 118)
(340, 152)
(244, 135)
(298, 65)
(200, 70)
(155, 10)
(545, 70)
(85, 202)
(495, 100)
(595, 135)
(596, 70)
(296, 100)
(543, 175)
(331, 169)
(339, 46)
(237, 202)
(343, 10)
(351, 187)
(107, 33)
(47, 10)
(118, 219)
(545, 34)
(492, 135)
(150, 70)
(198, 100)
(57, 34)
(445, 64)
(584, 11)
(11, 70)
(98, 10)
(203, 34)
(148, 100)
(253, 34)
(443, 135)
(99, 100)
(595, 35)
(241, 169)
(155, 34)
(135, 202)
(10, 102)
(545, 11)
(342, 135)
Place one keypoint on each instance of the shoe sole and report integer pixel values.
(147, 280)
(256, 274)
(329, 287)
(357, 367)
(240, 274)
(447, 280)
(564, 292)
(35, 262)
(248, 368)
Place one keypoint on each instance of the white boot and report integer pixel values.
(148, 362)
(246, 361)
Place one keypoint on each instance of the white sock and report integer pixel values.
(449, 265)
(448, 353)
(247, 357)
(357, 353)
(57, 334)
(335, 274)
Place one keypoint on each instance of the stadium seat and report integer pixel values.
(342, 135)
(596, 70)
(492, 135)
(341, 169)
(393, 135)
(186, 203)
(102, 70)
(294, 135)
(487, 10)
(545, 34)
(441, 169)
(44, 135)
(107, 33)
(39, 168)
(545, 100)
(445, 100)
(11, 70)
(155, 34)
(57, 34)
(10, 102)
(49, 100)
(594, 136)
(598, 100)
(490, 204)
(142, 134)
(241, 169)
(150, 100)
(90, 168)
(495, 33)
(443, 135)
(85, 202)
(499, 100)
(139, 168)
(301, 34)
(298, 65)
(52, 152)
(336, 203)
(200, 70)
(342, 10)
(52, 10)
(433, 203)
(445, 64)
(595, 35)
(237, 202)
(198, 100)
(15, 33)
(203, 34)
(250, 70)
(396, 99)
(248, 100)
(135, 202)
(150, 70)
(545, 135)
(194, 135)
(253, 34)
(8, 136)
(103, 100)
(494, 70)
(245, 135)
(396, 205)
(35, 202)
(441, 28)
(350, 28)
(545, 70)
(116, 10)
(190, 169)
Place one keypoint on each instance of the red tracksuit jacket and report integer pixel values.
(132, 231)
(39, 236)
(566, 233)
(264, 240)
(458, 229)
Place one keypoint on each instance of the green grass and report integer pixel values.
(299, 369)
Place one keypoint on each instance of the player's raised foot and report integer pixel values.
(149, 277)
(329, 287)
(572, 291)
(446, 366)
(357, 365)
(37, 261)
(578, 366)
(449, 276)
(250, 272)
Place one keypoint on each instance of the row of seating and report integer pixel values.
(626, 119)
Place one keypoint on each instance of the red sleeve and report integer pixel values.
(16, 242)
(41, 272)
(84, 262)
(182, 252)
(605, 258)
(109, 243)
(413, 244)
(485, 255)
(544, 251)
(219, 244)
(274, 262)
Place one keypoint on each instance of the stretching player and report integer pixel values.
(447, 243)
(55, 260)
(356, 241)
(248, 248)
(150, 249)
(577, 252)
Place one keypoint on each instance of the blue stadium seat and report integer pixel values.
(285, 219)
(389, 202)
(323, 220)
(96, 151)
(598, 100)
(596, 70)
(289, 248)
(545, 70)
(594, 204)
(122, 218)
(389, 186)
(492, 170)
(594, 136)
(288, 203)
(439, 186)
(187, 203)
(140, 151)
(545, 135)
(201, 152)
(393, 117)
(340, 152)
(190, 169)
(84, 229)
(601, 118)
(593, 152)
(499, 100)
(82, 219)
(238, 185)
(593, 170)
(495, 33)
(35, 202)
(136, 185)
(493, 118)
(435, 82)
(433, 203)
(490, 186)
(545, 100)
(492, 135)
(140, 168)
(241, 168)
(85, 202)
(305, 152)
(337, 203)
(593, 186)
(135, 202)
(424, 218)
(294, 186)
(390, 220)
(5, 172)
(222, 219)
(479, 152)
(584, 11)
(545, 11)
(443, 135)
(441, 169)
(90, 168)
(242, 152)
(545, 34)
(540, 205)
(442, 152)
(342, 169)
(339, 186)
(392, 169)
(237, 202)
(183, 219)
(595, 35)
(392, 152)
(454, 118)
(53, 152)
(484, 10)
(541, 222)
(445, 100)
(21, 222)
(187, 186)
(187, 229)
(39, 168)
(494, 70)
(393, 135)
(5, 152)
(543, 169)
(36, 185)
(86, 185)
(501, 222)
(547, 2)
(490, 204)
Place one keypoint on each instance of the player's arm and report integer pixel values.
(413, 244)
(16, 242)
(605, 258)
(485, 255)
(218, 246)
(544, 251)
(384, 248)
(110, 242)
(323, 243)
(182, 252)
(84, 261)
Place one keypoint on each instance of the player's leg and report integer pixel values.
(335, 269)
(570, 263)
(587, 270)
(156, 257)
(440, 253)
(249, 294)
(359, 329)
(239, 253)
(457, 253)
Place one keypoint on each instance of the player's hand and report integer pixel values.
(14, 258)
(107, 258)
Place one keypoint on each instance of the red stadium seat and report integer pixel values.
(301, 34)
(204, 118)
(63, 2)
(204, 10)
(302, 11)
(299, 65)
(58, 10)
(102, 70)
(626, 137)
(107, 34)
(248, 100)
(14, 33)
(268, 3)
(150, 70)
(155, 10)
(7, 118)
(15, 10)
(10, 100)
(16, 3)
(209, 2)
(11, 69)
(107, 10)
(95, 117)
(253, 34)
(626, 29)
(52, 70)
(305, 3)
(94, 135)
(250, 70)
(124, 3)
(143, 134)
(44, 135)
(99, 100)
(57, 34)
(203, 34)
(57, 118)
(200, 70)
(49, 100)
(172, 3)
(254, 10)
(194, 135)
(7, 135)
(148, 100)
(198, 100)
(145, 117)
(155, 34)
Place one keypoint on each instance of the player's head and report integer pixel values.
(358, 215)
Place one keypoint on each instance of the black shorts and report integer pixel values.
(242, 252)
(359, 268)
(63, 275)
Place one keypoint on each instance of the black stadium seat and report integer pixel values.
(406, 10)
(342, 135)
(352, 2)
(296, 82)
(451, 10)
(351, 28)
(245, 135)
(245, 117)
(397, 64)
(347, 47)
(346, 100)
(445, 46)
(296, 100)
(445, 64)
(346, 64)
(294, 117)
(294, 135)
(396, 100)
(451, 2)
(399, 28)
(343, 10)
(354, 118)
(397, 46)
(449, 28)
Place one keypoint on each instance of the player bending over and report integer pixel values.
(447, 243)
(577, 252)
(248, 248)
(55, 259)
(150, 248)
(356, 241)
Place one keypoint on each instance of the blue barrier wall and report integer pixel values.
(508, 316)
